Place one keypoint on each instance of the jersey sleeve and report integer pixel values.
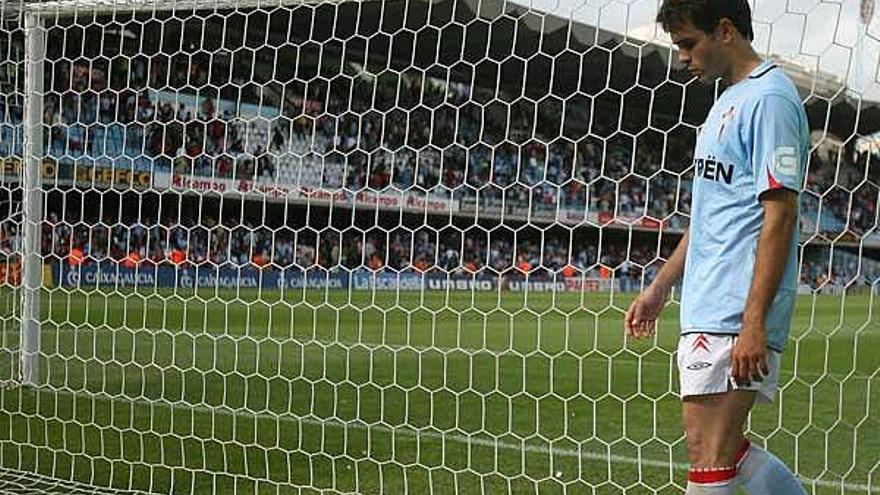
(777, 145)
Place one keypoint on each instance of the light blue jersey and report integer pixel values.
(755, 139)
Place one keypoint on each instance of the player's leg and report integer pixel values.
(714, 411)
(713, 433)
(721, 458)
(712, 415)
(754, 469)
(761, 473)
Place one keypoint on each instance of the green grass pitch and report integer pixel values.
(377, 392)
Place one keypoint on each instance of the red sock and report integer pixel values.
(711, 475)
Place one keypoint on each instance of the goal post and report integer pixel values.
(32, 199)
(276, 246)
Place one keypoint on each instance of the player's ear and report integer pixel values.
(725, 31)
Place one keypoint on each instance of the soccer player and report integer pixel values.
(738, 257)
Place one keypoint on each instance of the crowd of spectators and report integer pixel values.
(234, 243)
(126, 115)
(428, 135)
(821, 268)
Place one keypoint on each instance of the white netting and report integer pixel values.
(385, 247)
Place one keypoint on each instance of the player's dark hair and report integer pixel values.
(706, 14)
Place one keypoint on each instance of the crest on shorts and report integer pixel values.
(701, 342)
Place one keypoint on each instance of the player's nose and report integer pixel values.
(684, 59)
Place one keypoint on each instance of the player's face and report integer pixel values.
(699, 52)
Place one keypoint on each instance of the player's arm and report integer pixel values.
(672, 271)
(641, 317)
(776, 151)
(780, 216)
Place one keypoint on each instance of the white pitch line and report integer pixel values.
(414, 434)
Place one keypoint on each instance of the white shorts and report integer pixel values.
(704, 367)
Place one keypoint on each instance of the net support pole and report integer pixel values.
(32, 198)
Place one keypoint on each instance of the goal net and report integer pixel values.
(260, 247)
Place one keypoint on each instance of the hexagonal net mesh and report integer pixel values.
(385, 247)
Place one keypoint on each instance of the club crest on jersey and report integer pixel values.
(726, 118)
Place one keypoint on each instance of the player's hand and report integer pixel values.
(749, 357)
(641, 317)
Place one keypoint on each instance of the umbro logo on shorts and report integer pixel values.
(699, 365)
